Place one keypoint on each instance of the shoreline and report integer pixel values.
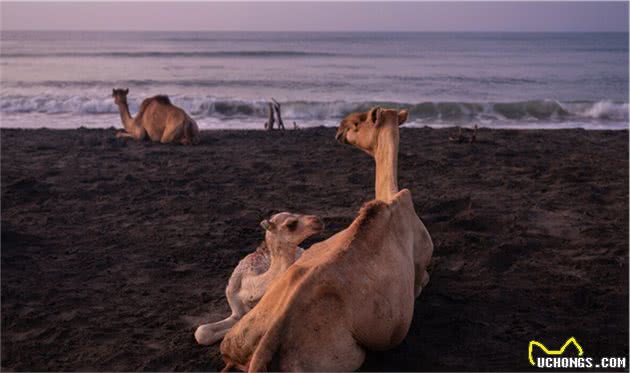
(289, 128)
(113, 251)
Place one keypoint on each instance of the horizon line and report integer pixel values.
(330, 31)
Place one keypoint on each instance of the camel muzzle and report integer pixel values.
(316, 224)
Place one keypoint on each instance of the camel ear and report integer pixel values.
(402, 116)
(126, 90)
(266, 225)
(374, 116)
(113, 91)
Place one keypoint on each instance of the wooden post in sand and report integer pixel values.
(459, 138)
(276, 106)
(462, 138)
(270, 119)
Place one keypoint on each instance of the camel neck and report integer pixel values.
(282, 256)
(386, 158)
(126, 118)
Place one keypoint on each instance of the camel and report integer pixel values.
(352, 292)
(253, 274)
(157, 119)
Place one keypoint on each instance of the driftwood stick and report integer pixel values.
(270, 120)
(462, 137)
(473, 138)
(459, 138)
(276, 106)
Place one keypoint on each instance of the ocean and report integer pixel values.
(224, 79)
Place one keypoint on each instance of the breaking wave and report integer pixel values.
(313, 110)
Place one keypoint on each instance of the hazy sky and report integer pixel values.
(330, 16)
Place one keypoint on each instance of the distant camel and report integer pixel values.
(252, 276)
(352, 292)
(158, 119)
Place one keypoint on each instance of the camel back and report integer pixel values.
(161, 99)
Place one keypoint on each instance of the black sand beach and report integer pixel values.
(113, 251)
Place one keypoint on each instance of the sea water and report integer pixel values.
(224, 79)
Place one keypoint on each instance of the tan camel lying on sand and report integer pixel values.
(158, 119)
(252, 276)
(352, 292)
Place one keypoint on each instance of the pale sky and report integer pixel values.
(329, 16)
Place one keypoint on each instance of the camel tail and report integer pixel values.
(191, 131)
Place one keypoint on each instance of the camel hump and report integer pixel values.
(162, 99)
(370, 212)
(369, 224)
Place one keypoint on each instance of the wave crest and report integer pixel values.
(311, 110)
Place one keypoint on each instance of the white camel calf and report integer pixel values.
(253, 274)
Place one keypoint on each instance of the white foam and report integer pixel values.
(218, 111)
(607, 110)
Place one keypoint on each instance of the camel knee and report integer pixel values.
(124, 134)
(209, 334)
(206, 335)
(203, 334)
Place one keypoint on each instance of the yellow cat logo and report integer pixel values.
(553, 352)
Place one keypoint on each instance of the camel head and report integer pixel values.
(286, 228)
(362, 129)
(120, 95)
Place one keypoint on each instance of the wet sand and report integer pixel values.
(113, 251)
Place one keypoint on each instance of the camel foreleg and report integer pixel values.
(209, 334)
(173, 134)
(123, 134)
(139, 134)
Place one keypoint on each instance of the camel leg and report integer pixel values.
(123, 133)
(191, 133)
(172, 133)
(186, 137)
(138, 134)
(142, 134)
(209, 334)
(228, 367)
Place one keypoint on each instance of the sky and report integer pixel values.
(327, 16)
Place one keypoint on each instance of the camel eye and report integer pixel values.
(292, 225)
